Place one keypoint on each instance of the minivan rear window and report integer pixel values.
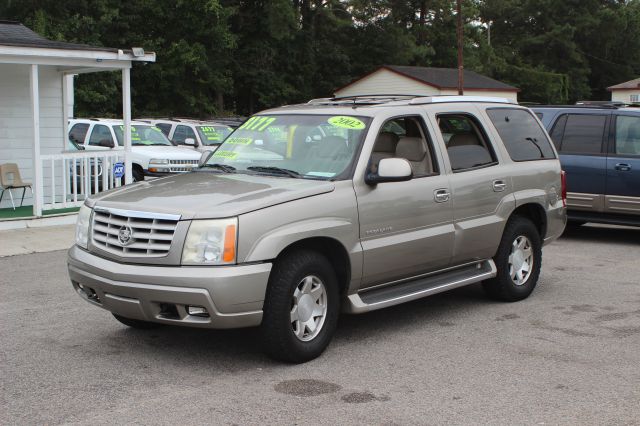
(523, 137)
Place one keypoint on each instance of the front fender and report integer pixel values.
(272, 243)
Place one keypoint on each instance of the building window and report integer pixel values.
(634, 98)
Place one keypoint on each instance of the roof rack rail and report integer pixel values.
(458, 98)
(378, 99)
(369, 99)
(583, 106)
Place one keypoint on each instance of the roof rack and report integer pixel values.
(583, 106)
(362, 99)
(457, 98)
(403, 99)
(601, 103)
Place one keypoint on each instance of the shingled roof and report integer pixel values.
(631, 84)
(443, 78)
(15, 34)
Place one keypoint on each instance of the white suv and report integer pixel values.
(201, 135)
(152, 153)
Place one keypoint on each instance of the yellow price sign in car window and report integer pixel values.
(226, 154)
(346, 122)
(239, 141)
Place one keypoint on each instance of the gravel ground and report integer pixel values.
(567, 355)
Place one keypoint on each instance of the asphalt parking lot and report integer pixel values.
(570, 354)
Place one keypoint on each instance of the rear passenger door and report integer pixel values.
(580, 140)
(623, 166)
(480, 186)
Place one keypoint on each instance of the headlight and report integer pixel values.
(158, 161)
(211, 242)
(82, 226)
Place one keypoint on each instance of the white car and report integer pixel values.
(201, 135)
(152, 153)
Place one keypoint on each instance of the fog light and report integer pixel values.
(197, 311)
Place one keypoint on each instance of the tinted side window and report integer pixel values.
(183, 132)
(467, 144)
(522, 135)
(164, 128)
(100, 133)
(78, 132)
(405, 137)
(627, 135)
(583, 133)
(558, 131)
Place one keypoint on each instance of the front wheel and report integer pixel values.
(301, 307)
(137, 175)
(518, 261)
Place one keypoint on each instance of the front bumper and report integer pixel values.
(232, 295)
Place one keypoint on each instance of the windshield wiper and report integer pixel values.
(270, 169)
(225, 168)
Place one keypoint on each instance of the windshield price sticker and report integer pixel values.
(258, 123)
(226, 154)
(211, 133)
(239, 141)
(346, 122)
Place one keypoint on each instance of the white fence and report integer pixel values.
(69, 178)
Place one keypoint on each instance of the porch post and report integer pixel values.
(126, 116)
(65, 110)
(37, 164)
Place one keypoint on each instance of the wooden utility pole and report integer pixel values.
(460, 44)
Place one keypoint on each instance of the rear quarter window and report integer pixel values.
(580, 133)
(523, 137)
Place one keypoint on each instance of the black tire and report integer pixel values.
(277, 329)
(503, 286)
(134, 323)
(137, 174)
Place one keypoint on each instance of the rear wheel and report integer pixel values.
(301, 307)
(518, 261)
(134, 323)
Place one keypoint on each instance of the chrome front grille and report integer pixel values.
(133, 234)
(181, 166)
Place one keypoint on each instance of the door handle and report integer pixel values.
(623, 167)
(441, 195)
(499, 185)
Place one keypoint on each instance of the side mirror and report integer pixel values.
(204, 157)
(390, 170)
(190, 142)
(108, 143)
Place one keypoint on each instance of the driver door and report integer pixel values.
(406, 228)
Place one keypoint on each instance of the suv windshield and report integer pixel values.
(142, 135)
(307, 146)
(213, 135)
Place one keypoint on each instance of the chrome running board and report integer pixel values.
(382, 297)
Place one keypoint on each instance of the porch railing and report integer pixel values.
(70, 178)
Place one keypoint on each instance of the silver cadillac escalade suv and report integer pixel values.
(343, 204)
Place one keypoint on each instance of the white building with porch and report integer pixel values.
(36, 101)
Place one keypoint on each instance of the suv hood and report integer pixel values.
(202, 195)
(166, 152)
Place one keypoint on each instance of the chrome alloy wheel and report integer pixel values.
(308, 308)
(521, 260)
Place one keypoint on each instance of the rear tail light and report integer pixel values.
(564, 188)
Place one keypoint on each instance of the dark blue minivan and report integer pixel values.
(600, 152)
